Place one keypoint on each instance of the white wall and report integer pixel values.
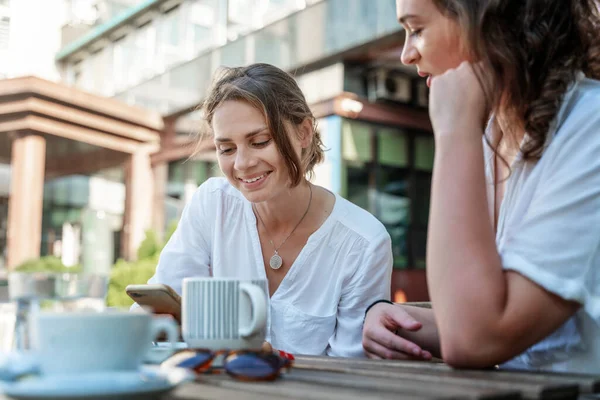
(35, 34)
(107, 196)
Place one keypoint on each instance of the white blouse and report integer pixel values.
(319, 306)
(549, 229)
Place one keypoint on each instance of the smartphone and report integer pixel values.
(162, 299)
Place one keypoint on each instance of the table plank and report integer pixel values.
(196, 391)
(287, 388)
(429, 373)
(586, 383)
(414, 389)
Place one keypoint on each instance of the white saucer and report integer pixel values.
(147, 383)
(162, 350)
(178, 345)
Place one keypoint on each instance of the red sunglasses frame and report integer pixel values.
(278, 360)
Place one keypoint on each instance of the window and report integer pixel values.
(4, 32)
(3, 228)
(184, 176)
(170, 35)
(388, 172)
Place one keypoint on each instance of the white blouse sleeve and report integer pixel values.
(371, 281)
(188, 251)
(557, 241)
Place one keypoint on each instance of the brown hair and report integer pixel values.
(533, 50)
(276, 94)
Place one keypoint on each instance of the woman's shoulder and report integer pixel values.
(587, 95)
(215, 189)
(214, 196)
(358, 221)
(589, 85)
(577, 124)
(580, 104)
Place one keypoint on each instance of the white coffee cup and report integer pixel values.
(224, 313)
(81, 342)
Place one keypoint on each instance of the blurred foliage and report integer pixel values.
(128, 273)
(46, 264)
(123, 272)
(149, 246)
(136, 272)
(170, 231)
(50, 264)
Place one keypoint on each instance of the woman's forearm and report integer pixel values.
(426, 337)
(464, 272)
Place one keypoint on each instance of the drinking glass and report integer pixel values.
(59, 291)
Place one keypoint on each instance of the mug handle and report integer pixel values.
(259, 309)
(169, 327)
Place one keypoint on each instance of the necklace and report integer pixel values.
(276, 261)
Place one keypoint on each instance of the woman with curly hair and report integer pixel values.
(513, 252)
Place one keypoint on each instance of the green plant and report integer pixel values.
(126, 273)
(123, 272)
(170, 231)
(46, 264)
(149, 246)
(50, 264)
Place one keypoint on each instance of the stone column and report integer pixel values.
(160, 172)
(25, 204)
(139, 194)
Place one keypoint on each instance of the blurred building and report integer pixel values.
(158, 56)
(67, 156)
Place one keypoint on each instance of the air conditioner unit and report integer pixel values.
(385, 84)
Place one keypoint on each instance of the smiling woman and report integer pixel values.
(325, 259)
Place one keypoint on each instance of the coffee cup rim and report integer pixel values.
(93, 314)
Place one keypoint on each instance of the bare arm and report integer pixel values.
(464, 269)
(427, 337)
(484, 314)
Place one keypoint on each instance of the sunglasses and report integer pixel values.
(246, 365)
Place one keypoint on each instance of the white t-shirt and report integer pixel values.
(320, 304)
(549, 229)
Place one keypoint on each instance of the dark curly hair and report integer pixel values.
(276, 94)
(533, 50)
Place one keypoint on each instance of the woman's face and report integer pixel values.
(433, 40)
(246, 152)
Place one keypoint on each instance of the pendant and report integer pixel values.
(276, 261)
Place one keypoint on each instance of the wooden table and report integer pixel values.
(361, 379)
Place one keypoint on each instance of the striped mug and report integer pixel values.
(224, 313)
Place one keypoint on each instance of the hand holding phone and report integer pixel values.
(162, 299)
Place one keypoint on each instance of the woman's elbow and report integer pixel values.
(462, 351)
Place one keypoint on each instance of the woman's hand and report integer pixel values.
(266, 347)
(382, 334)
(457, 102)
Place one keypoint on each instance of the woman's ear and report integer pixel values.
(306, 132)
